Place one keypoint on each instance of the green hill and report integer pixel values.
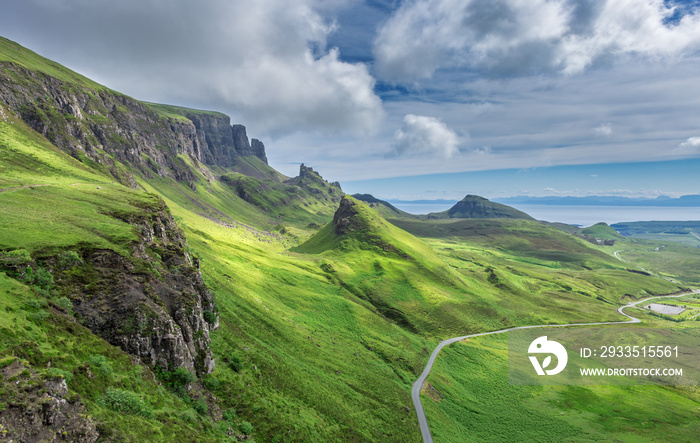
(601, 231)
(385, 209)
(473, 206)
(355, 225)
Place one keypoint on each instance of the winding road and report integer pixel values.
(418, 384)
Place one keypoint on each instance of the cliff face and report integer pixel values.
(153, 304)
(243, 147)
(258, 149)
(214, 139)
(104, 126)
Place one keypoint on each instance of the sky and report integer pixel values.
(413, 99)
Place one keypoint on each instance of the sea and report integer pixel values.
(580, 215)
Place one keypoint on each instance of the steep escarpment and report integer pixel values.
(109, 130)
(153, 304)
(257, 148)
(221, 143)
(243, 147)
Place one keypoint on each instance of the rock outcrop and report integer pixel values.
(307, 176)
(257, 149)
(152, 304)
(243, 147)
(348, 218)
(39, 408)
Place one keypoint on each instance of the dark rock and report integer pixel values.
(150, 304)
(347, 219)
(40, 409)
(240, 140)
(215, 140)
(258, 149)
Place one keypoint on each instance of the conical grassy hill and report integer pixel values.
(474, 206)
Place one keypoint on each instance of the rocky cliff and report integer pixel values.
(107, 128)
(152, 304)
(243, 147)
(257, 149)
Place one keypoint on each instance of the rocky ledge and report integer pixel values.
(152, 304)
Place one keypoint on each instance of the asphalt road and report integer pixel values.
(418, 384)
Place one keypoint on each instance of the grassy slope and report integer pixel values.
(477, 400)
(667, 259)
(68, 211)
(12, 52)
(534, 258)
(384, 208)
(86, 197)
(327, 366)
(601, 231)
(178, 112)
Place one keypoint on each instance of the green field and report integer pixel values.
(469, 400)
(686, 233)
(666, 259)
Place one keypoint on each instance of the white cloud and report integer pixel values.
(481, 150)
(604, 130)
(425, 135)
(690, 146)
(265, 62)
(526, 37)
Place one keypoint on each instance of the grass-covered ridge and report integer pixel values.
(385, 209)
(17, 54)
(179, 112)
